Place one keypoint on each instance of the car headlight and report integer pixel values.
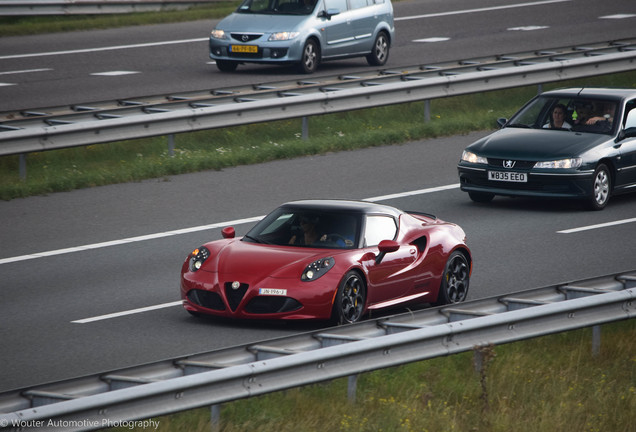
(316, 269)
(283, 36)
(218, 34)
(561, 163)
(471, 157)
(198, 257)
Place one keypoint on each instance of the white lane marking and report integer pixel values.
(486, 9)
(25, 71)
(127, 240)
(6, 84)
(411, 193)
(191, 230)
(108, 48)
(115, 73)
(597, 226)
(128, 312)
(527, 28)
(618, 16)
(432, 39)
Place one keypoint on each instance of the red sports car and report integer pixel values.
(328, 260)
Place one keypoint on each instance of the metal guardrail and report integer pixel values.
(239, 372)
(54, 128)
(92, 7)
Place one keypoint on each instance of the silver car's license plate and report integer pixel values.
(508, 176)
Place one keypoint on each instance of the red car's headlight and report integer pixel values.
(316, 269)
(198, 257)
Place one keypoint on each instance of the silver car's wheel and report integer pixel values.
(601, 188)
(380, 52)
(310, 57)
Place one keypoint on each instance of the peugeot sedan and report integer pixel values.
(303, 32)
(572, 143)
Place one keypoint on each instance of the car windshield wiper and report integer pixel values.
(519, 125)
(257, 239)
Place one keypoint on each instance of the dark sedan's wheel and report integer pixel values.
(226, 65)
(310, 57)
(380, 52)
(350, 300)
(481, 197)
(455, 281)
(601, 188)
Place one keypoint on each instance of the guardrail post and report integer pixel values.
(22, 166)
(352, 387)
(596, 340)
(171, 145)
(305, 133)
(427, 110)
(215, 417)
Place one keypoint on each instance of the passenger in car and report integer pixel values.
(605, 118)
(557, 118)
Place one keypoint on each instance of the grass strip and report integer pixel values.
(216, 149)
(551, 384)
(30, 25)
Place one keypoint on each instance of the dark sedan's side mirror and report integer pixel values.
(501, 122)
(385, 247)
(228, 232)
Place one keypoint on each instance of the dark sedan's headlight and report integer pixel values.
(560, 164)
(198, 257)
(316, 269)
(471, 157)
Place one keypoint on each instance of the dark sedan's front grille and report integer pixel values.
(234, 296)
(510, 164)
(206, 299)
(272, 304)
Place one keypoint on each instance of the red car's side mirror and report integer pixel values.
(385, 247)
(228, 232)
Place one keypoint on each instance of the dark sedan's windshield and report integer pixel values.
(567, 113)
(307, 228)
(277, 7)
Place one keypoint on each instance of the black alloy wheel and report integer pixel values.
(350, 300)
(455, 281)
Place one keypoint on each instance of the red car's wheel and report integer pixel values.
(454, 286)
(350, 300)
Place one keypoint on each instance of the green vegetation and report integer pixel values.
(551, 384)
(96, 165)
(27, 25)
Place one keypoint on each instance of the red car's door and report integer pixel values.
(393, 276)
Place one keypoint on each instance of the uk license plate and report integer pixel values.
(252, 49)
(508, 176)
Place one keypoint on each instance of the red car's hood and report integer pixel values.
(251, 262)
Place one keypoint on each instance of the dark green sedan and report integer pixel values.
(572, 143)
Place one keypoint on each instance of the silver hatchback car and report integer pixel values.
(303, 32)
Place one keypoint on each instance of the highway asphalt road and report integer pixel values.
(124, 255)
(90, 66)
(48, 302)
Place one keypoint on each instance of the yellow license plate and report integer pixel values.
(244, 48)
